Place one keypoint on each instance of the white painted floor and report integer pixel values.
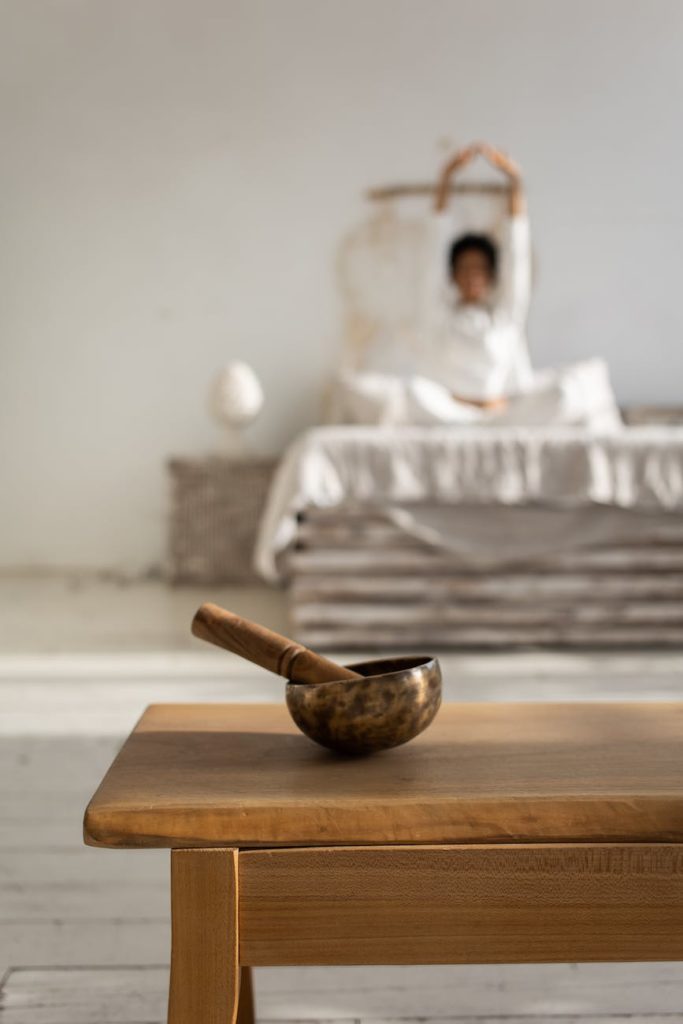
(78, 663)
(80, 613)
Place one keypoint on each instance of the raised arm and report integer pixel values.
(455, 164)
(511, 170)
(434, 286)
(515, 266)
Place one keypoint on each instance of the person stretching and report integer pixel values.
(477, 316)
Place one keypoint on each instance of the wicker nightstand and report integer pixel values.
(216, 505)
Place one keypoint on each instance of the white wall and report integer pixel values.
(175, 175)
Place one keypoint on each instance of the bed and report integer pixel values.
(479, 537)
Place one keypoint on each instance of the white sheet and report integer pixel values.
(396, 469)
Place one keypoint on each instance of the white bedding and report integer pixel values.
(398, 469)
(578, 395)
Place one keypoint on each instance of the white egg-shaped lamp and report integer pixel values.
(235, 400)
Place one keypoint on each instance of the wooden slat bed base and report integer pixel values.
(489, 614)
(527, 586)
(412, 558)
(471, 638)
(360, 582)
(334, 527)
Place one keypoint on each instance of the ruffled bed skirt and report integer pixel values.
(403, 470)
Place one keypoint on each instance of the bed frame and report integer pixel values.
(358, 581)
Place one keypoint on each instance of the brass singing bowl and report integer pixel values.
(394, 702)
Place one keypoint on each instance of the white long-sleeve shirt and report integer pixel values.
(479, 352)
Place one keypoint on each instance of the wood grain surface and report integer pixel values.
(504, 904)
(204, 986)
(243, 776)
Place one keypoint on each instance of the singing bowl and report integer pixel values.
(394, 702)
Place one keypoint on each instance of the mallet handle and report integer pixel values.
(265, 648)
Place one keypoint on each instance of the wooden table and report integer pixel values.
(507, 833)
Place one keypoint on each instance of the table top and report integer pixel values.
(242, 775)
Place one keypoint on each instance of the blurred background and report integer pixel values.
(176, 179)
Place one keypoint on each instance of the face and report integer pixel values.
(472, 276)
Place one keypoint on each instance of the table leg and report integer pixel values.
(205, 976)
(246, 1010)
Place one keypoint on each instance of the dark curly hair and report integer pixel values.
(474, 243)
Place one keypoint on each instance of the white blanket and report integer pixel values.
(578, 395)
(397, 469)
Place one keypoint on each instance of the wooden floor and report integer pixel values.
(136, 995)
(78, 925)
